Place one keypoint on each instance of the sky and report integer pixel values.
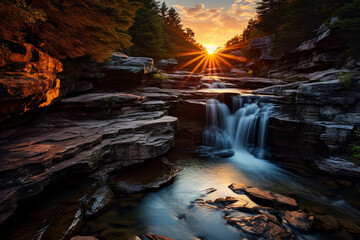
(214, 21)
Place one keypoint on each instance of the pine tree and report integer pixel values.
(174, 20)
(163, 11)
(148, 33)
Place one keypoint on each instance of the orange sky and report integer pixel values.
(214, 22)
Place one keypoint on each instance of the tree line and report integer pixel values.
(291, 22)
(68, 29)
(159, 33)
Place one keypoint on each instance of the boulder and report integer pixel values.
(261, 227)
(139, 179)
(299, 220)
(264, 197)
(152, 236)
(167, 64)
(28, 78)
(123, 72)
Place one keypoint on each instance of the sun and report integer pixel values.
(210, 48)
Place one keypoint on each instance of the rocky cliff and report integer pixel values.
(315, 121)
(28, 78)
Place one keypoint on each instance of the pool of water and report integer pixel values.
(169, 211)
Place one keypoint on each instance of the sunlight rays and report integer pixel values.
(211, 59)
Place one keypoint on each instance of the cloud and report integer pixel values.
(216, 26)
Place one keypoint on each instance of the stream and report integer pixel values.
(234, 150)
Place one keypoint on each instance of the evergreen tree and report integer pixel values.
(163, 11)
(148, 33)
(174, 20)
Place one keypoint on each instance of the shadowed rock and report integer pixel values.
(152, 236)
(264, 197)
(299, 220)
(261, 227)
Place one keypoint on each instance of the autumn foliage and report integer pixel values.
(68, 28)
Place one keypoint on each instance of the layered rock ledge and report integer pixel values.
(90, 133)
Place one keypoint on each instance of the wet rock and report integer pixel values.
(139, 179)
(83, 238)
(299, 220)
(349, 226)
(261, 227)
(227, 202)
(28, 78)
(224, 153)
(326, 223)
(264, 197)
(152, 236)
(102, 198)
(338, 166)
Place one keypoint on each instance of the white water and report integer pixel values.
(243, 129)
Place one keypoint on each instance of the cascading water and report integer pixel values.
(243, 129)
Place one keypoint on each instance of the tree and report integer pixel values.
(190, 35)
(72, 28)
(147, 32)
(163, 11)
(174, 20)
(349, 26)
(16, 15)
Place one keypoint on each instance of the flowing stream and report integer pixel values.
(234, 141)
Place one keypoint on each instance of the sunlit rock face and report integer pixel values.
(28, 78)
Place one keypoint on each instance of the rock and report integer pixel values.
(167, 64)
(224, 153)
(326, 223)
(122, 73)
(102, 198)
(338, 166)
(28, 78)
(152, 236)
(263, 45)
(83, 238)
(222, 203)
(264, 197)
(76, 142)
(261, 227)
(299, 220)
(139, 178)
(349, 226)
(136, 65)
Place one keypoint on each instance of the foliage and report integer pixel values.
(346, 79)
(293, 21)
(147, 32)
(158, 32)
(349, 26)
(159, 76)
(355, 148)
(72, 28)
(15, 15)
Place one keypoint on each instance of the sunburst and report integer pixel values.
(209, 58)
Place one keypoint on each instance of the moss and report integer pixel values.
(159, 76)
(106, 114)
(108, 101)
(346, 80)
(355, 148)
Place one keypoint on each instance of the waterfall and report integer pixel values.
(243, 129)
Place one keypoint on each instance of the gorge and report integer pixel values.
(116, 124)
